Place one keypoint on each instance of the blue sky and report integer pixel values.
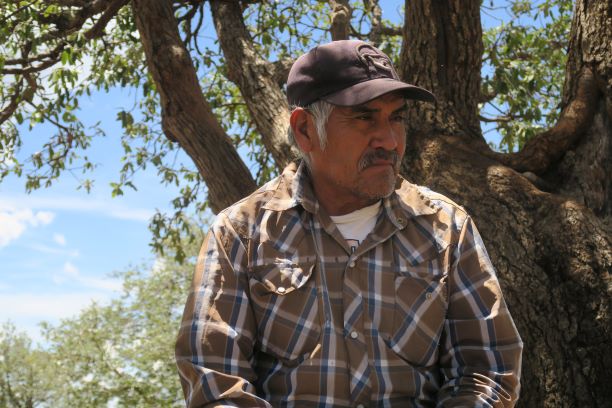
(58, 246)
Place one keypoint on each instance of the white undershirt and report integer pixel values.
(357, 225)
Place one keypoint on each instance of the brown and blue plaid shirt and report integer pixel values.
(282, 313)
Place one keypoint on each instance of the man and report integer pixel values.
(339, 284)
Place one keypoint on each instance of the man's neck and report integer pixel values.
(340, 205)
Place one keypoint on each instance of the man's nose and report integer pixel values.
(385, 137)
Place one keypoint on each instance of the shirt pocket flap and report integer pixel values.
(282, 277)
(432, 268)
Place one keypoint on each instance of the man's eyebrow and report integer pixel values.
(362, 109)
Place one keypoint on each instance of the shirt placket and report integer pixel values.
(354, 336)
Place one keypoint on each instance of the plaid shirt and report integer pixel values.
(283, 314)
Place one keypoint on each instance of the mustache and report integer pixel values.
(372, 156)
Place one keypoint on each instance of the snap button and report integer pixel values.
(281, 289)
(352, 264)
(428, 295)
(354, 335)
(360, 406)
(400, 220)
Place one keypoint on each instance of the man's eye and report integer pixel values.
(400, 117)
(364, 117)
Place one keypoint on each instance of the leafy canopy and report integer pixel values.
(55, 53)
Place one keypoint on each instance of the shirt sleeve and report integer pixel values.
(214, 348)
(481, 349)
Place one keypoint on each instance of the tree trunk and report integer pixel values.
(186, 116)
(544, 212)
(547, 231)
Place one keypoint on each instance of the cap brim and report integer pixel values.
(366, 91)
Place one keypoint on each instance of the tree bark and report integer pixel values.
(442, 51)
(186, 116)
(340, 19)
(256, 79)
(547, 231)
(552, 249)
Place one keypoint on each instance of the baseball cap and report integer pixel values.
(346, 73)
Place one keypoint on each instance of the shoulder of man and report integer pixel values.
(415, 194)
(244, 214)
(437, 209)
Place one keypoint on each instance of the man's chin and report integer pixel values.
(379, 192)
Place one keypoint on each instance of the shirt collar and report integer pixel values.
(294, 188)
(406, 202)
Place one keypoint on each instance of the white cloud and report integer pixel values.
(104, 207)
(43, 217)
(14, 222)
(72, 274)
(59, 239)
(41, 306)
(73, 253)
(71, 270)
(101, 283)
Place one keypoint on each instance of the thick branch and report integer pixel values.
(69, 22)
(376, 21)
(98, 29)
(587, 77)
(13, 104)
(186, 116)
(281, 71)
(548, 147)
(18, 96)
(340, 19)
(255, 78)
(391, 30)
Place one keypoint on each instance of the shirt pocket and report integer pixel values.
(419, 311)
(285, 303)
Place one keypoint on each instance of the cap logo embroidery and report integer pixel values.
(374, 60)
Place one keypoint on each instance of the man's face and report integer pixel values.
(360, 163)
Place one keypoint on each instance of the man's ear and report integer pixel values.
(303, 129)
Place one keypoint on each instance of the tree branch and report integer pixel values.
(13, 104)
(391, 30)
(375, 11)
(340, 19)
(66, 23)
(548, 147)
(256, 78)
(98, 29)
(186, 116)
(497, 119)
(281, 70)
(54, 58)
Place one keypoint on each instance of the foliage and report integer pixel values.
(53, 54)
(527, 56)
(120, 354)
(24, 370)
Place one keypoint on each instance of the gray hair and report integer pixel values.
(320, 111)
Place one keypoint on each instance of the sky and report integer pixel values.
(59, 246)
